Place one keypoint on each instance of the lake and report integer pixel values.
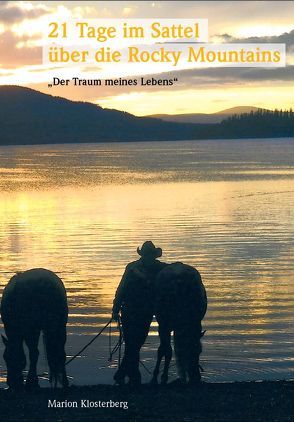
(225, 207)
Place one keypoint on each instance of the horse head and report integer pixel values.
(15, 360)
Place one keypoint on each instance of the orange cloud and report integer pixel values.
(17, 57)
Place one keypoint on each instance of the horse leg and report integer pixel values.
(193, 368)
(165, 351)
(181, 352)
(160, 354)
(14, 357)
(32, 340)
(167, 359)
(164, 334)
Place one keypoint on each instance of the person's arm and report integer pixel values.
(119, 295)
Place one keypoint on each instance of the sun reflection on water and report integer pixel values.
(81, 211)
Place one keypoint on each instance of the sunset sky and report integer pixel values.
(197, 91)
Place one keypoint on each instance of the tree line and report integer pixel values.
(260, 123)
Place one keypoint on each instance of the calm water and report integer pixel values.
(225, 207)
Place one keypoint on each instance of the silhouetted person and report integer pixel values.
(135, 299)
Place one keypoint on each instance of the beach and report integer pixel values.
(248, 401)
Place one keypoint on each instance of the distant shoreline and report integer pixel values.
(146, 141)
(31, 117)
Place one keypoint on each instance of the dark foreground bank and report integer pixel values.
(264, 401)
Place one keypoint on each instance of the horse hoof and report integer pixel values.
(119, 378)
(178, 381)
(19, 389)
(153, 382)
(120, 381)
(32, 387)
(196, 381)
(164, 380)
(65, 384)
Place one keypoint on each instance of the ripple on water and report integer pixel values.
(224, 207)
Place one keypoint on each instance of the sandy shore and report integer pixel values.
(258, 401)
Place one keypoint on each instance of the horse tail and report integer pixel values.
(54, 340)
(53, 372)
(54, 331)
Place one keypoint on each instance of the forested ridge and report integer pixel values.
(261, 123)
(31, 117)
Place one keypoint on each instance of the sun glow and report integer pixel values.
(209, 100)
(188, 96)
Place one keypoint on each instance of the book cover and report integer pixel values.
(146, 218)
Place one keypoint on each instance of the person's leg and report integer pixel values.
(139, 333)
(128, 321)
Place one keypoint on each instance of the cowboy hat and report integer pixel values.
(148, 249)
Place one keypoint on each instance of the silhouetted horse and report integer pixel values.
(34, 301)
(181, 304)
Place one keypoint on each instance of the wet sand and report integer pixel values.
(252, 401)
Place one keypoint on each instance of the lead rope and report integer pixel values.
(118, 345)
(109, 341)
(121, 340)
(90, 342)
(145, 367)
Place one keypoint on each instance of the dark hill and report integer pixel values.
(31, 117)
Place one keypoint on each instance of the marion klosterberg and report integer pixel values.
(86, 403)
